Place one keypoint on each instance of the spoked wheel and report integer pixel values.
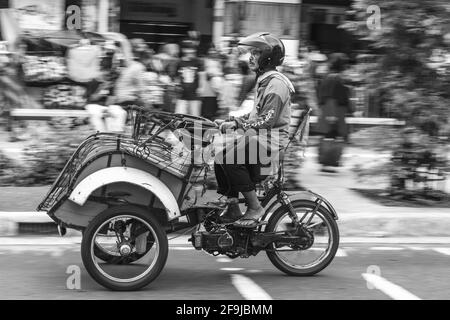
(102, 250)
(124, 248)
(305, 258)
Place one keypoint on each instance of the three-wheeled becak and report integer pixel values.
(125, 193)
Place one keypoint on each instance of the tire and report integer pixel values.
(97, 222)
(284, 267)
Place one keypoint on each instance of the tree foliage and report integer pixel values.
(408, 70)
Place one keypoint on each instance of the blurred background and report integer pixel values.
(71, 68)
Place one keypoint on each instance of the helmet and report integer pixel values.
(272, 48)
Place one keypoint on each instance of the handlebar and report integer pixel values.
(163, 117)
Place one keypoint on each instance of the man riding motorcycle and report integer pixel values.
(267, 124)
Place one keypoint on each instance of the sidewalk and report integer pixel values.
(363, 217)
(358, 216)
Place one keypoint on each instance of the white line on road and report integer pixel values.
(224, 260)
(417, 248)
(181, 248)
(445, 251)
(254, 271)
(387, 248)
(399, 240)
(392, 290)
(57, 253)
(341, 253)
(249, 289)
(232, 269)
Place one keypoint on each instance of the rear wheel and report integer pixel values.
(124, 248)
(304, 260)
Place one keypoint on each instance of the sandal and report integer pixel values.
(256, 223)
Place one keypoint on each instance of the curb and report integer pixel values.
(10, 223)
(379, 225)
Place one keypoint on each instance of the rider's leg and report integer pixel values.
(233, 211)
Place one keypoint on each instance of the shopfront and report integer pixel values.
(42, 36)
(168, 21)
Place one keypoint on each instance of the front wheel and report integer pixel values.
(135, 240)
(308, 259)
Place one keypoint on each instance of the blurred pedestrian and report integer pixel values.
(129, 84)
(154, 83)
(168, 55)
(334, 104)
(210, 84)
(112, 115)
(188, 75)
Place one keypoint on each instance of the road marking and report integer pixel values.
(57, 253)
(339, 253)
(182, 248)
(445, 251)
(249, 289)
(392, 290)
(417, 248)
(254, 271)
(232, 269)
(387, 248)
(396, 240)
(224, 260)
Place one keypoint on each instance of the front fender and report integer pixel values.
(129, 175)
(309, 195)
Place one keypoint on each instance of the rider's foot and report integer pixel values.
(250, 218)
(233, 212)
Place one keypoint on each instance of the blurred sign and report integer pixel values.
(244, 18)
(151, 9)
(39, 15)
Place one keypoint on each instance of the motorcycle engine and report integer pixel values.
(221, 241)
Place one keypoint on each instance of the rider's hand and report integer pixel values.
(227, 125)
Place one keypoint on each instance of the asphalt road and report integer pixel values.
(37, 269)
